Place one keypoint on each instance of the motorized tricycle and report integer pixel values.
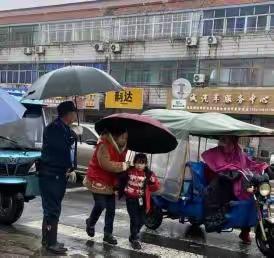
(20, 145)
(184, 185)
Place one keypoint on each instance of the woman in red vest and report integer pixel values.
(108, 160)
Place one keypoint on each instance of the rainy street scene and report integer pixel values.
(136, 128)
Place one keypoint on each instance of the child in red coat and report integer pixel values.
(139, 184)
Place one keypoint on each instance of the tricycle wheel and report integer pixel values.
(194, 222)
(11, 207)
(266, 247)
(154, 218)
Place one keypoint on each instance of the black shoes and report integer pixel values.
(57, 249)
(44, 244)
(49, 238)
(110, 239)
(135, 244)
(90, 230)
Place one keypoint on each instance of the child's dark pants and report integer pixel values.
(136, 214)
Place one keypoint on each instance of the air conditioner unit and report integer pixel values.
(99, 47)
(192, 41)
(40, 50)
(116, 48)
(199, 78)
(28, 51)
(212, 41)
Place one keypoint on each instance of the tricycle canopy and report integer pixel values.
(186, 126)
(208, 125)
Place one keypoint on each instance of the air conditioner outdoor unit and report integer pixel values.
(199, 78)
(28, 51)
(99, 47)
(212, 41)
(40, 50)
(116, 48)
(192, 41)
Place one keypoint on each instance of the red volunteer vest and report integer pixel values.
(98, 174)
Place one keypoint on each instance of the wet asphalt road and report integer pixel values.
(172, 239)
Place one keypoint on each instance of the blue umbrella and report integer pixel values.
(10, 109)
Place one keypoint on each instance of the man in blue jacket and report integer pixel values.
(58, 162)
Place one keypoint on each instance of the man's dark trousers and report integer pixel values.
(53, 187)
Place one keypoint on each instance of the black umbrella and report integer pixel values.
(72, 81)
(145, 133)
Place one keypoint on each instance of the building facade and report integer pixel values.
(227, 45)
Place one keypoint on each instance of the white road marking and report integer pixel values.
(76, 189)
(122, 242)
(78, 216)
(85, 215)
(121, 211)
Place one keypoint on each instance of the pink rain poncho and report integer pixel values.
(229, 156)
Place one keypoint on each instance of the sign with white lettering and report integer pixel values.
(232, 100)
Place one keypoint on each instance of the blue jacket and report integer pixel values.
(58, 140)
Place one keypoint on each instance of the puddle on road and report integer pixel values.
(14, 245)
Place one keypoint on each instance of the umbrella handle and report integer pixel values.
(77, 112)
(130, 154)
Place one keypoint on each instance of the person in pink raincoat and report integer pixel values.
(228, 156)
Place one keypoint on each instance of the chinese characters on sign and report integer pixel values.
(130, 98)
(85, 102)
(234, 100)
(92, 101)
(123, 96)
(227, 99)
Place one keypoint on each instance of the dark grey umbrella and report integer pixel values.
(72, 81)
